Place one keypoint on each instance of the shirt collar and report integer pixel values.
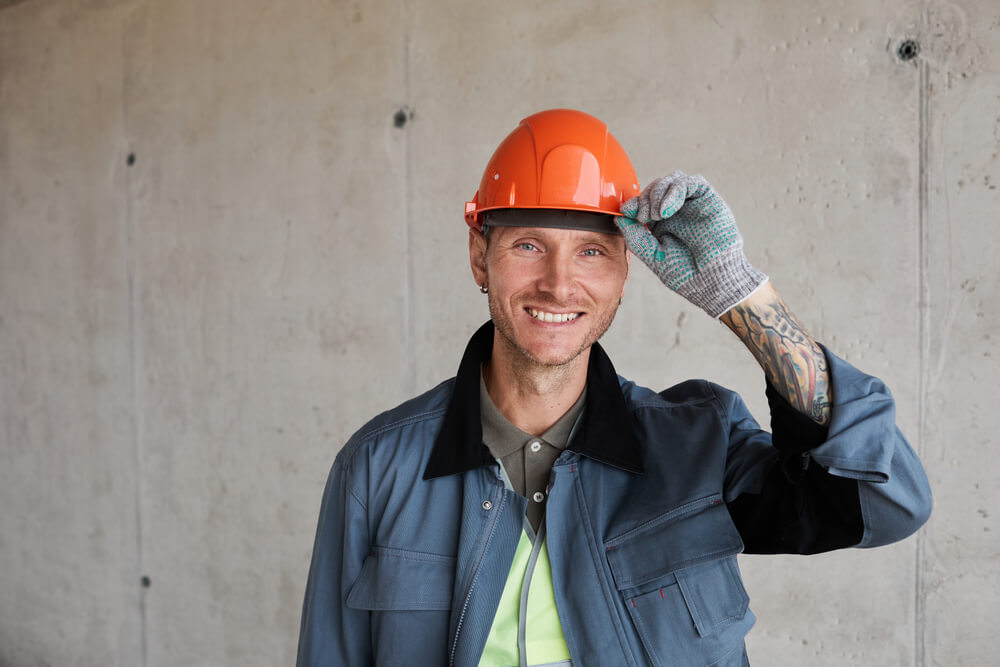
(503, 438)
(605, 433)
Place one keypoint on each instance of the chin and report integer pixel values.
(552, 355)
(553, 360)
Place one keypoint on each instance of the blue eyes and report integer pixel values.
(531, 247)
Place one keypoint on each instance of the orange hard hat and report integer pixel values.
(556, 159)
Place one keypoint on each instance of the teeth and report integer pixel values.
(552, 317)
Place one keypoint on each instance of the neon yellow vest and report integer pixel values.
(544, 640)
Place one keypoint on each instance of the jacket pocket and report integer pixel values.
(403, 580)
(679, 581)
(408, 597)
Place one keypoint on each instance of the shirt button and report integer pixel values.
(538, 497)
(487, 505)
(535, 445)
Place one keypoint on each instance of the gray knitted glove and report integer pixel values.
(683, 230)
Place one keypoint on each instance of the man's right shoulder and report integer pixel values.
(413, 424)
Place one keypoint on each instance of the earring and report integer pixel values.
(483, 288)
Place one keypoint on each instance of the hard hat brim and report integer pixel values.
(586, 221)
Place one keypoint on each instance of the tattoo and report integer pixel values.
(792, 361)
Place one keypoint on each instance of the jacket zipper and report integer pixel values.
(475, 578)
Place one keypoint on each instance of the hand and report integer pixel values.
(683, 230)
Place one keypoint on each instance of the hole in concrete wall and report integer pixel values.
(908, 49)
(146, 582)
(402, 116)
(130, 160)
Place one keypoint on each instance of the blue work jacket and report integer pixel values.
(648, 507)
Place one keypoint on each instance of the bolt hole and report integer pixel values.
(130, 160)
(146, 582)
(399, 120)
(908, 49)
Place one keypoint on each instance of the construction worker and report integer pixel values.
(538, 509)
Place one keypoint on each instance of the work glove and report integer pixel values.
(683, 230)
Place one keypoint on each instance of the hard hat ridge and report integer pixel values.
(555, 159)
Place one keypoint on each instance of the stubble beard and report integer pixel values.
(504, 325)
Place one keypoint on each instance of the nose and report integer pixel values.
(557, 277)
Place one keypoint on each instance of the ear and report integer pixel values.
(477, 255)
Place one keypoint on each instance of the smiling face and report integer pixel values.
(552, 292)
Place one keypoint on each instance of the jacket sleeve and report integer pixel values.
(807, 488)
(331, 633)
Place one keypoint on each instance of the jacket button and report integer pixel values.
(487, 505)
(538, 497)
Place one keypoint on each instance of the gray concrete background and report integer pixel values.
(187, 340)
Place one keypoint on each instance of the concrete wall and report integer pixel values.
(220, 255)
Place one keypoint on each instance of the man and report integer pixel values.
(537, 509)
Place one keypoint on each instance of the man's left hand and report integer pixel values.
(684, 231)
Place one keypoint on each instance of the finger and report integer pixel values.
(698, 186)
(630, 207)
(644, 210)
(638, 238)
(652, 195)
(674, 198)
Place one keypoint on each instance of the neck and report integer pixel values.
(532, 396)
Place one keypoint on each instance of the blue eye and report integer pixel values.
(591, 252)
(526, 246)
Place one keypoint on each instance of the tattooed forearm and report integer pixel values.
(794, 364)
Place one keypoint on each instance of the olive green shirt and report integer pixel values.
(526, 459)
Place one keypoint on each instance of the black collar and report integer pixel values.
(605, 433)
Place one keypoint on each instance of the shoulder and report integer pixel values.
(690, 394)
(415, 421)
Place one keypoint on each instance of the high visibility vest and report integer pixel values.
(539, 634)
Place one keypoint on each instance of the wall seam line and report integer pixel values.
(407, 224)
(130, 275)
(923, 329)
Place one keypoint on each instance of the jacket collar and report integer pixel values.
(605, 433)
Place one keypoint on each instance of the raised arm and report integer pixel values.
(685, 232)
(792, 361)
(834, 471)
